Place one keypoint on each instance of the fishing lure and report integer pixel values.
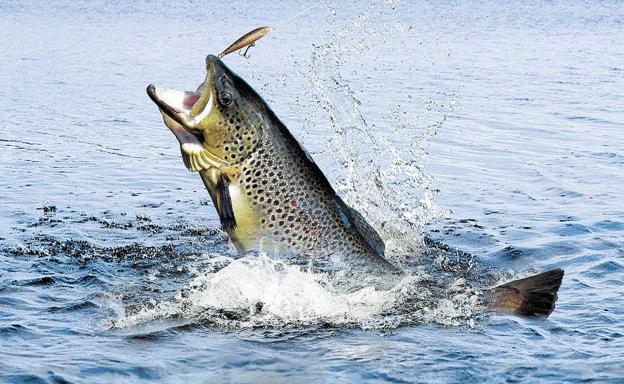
(247, 40)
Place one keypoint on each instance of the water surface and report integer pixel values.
(483, 141)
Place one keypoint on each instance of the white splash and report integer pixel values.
(286, 293)
(262, 291)
(380, 170)
(268, 291)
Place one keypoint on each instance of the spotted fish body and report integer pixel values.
(296, 206)
(268, 191)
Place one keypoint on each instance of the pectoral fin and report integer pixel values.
(224, 203)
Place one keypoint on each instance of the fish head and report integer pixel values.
(217, 125)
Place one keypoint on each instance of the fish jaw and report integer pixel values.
(187, 108)
(178, 109)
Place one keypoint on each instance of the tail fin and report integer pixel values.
(532, 296)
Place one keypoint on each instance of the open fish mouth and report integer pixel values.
(178, 101)
(179, 105)
(177, 109)
(188, 108)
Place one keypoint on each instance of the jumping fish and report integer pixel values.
(269, 192)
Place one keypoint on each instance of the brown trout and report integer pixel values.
(269, 192)
(265, 186)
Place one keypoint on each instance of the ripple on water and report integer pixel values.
(13, 330)
(604, 268)
(609, 225)
(73, 307)
(511, 253)
(37, 281)
(571, 229)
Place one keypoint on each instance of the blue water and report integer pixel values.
(484, 141)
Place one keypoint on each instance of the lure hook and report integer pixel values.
(248, 40)
(244, 54)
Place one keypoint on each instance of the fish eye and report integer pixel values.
(225, 98)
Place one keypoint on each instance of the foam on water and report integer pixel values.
(262, 291)
(268, 292)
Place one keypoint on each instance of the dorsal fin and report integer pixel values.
(355, 220)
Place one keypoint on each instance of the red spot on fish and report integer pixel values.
(293, 202)
(261, 199)
(291, 218)
(272, 217)
(298, 227)
(313, 232)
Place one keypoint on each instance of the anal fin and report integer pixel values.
(224, 203)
